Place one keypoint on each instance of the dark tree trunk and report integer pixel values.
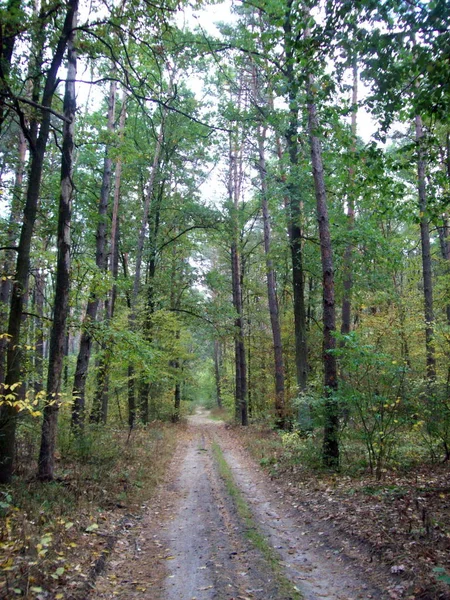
(8, 414)
(330, 441)
(234, 191)
(84, 353)
(8, 265)
(295, 217)
(61, 307)
(426, 254)
(217, 369)
(280, 408)
(8, 33)
(240, 358)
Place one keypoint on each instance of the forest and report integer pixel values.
(253, 217)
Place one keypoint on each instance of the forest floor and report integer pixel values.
(219, 528)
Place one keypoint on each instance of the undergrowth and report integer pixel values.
(52, 534)
(403, 518)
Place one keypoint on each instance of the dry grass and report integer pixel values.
(54, 536)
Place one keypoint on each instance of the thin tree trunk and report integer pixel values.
(139, 256)
(280, 408)
(217, 375)
(84, 353)
(8, 414)
(426, 254)
(8, 265)
(234, 190)
(348, 255)
(61, 307)
(101, 397)
(295, 218)
(331, 429)
(39, 298)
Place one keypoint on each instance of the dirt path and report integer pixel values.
(193, 544)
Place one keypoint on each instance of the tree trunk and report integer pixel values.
(330, 440)
(8, 33)
(39, 298)
(426, 254)
(8, 414)
(348, 255)
(295, 219)
(8, 265)
(234, 191)
(139, 255)
(61, 306)
(280, 408)
(84, 353)
(217, 376)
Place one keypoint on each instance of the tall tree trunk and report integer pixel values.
(348, 255)
(331, 429)
(8, 265)
(295, 218)
(217, 374)
(84, 353)
(139, 257)
(426, 254)
(61, 306)
(114, 262)
(8, 414)
(280, 408)
(234, 192)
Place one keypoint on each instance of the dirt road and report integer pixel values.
(219, 530)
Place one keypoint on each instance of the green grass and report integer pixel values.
(252, 531)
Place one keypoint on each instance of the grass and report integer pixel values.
(252, 532)
(52, 534)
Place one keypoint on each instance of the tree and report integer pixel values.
(61, 304)
(20, 287)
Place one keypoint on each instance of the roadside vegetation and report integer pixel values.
(56, 537)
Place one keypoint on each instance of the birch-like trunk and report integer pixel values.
(84, 353)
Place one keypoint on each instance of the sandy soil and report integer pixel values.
(190, 543)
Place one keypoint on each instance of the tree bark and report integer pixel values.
(61, 306)
(234, 190)
(8, 414)
(295, 218)
(331, 429)
(84, 353)
(10, 256)
(426, 254)
(280, 408)
(217, 375)
(139, 256)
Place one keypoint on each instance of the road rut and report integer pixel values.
(191, 543)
